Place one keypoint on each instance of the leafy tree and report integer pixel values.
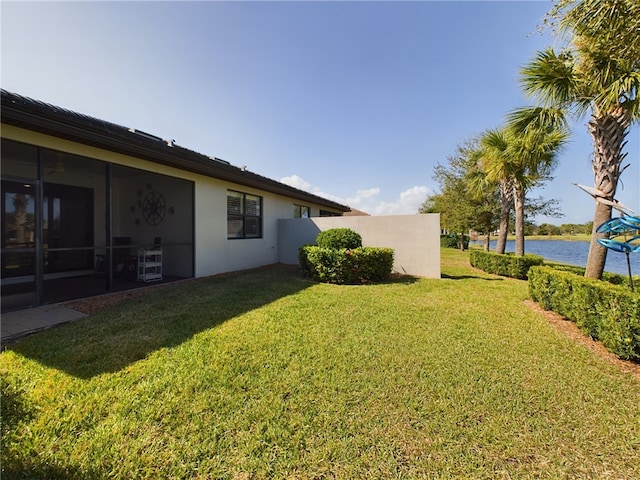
(461, 207)
(541, 206)
(588, 227)
(597, 71)
(548, 229)
(529, 228)
(571, 228)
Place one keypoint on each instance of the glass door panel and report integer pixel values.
(68, 228)
(74, 212)
(18, 244)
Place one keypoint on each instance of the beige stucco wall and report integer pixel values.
(215, 253)
(414, 238)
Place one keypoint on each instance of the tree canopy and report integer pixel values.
(463, 204)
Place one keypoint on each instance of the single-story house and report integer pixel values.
(90, 207)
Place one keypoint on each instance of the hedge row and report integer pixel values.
(614, 278)
(350, 266)
(507, 265)
(607, 312)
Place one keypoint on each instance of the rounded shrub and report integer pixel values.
(339, 238)
(340, 266)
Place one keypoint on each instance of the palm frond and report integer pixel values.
(539, 119)
(622, 93)
(550, 78)
(495, 140)
(609, 26)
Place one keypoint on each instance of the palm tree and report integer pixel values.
(597, 72)
(521, 156)
(493, 161)
(535, 148)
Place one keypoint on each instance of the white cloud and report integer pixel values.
(372, 192)
(407, 202)
(296, 182)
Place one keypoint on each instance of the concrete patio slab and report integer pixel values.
(17, 324)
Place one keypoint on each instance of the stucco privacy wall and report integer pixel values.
(415, 239)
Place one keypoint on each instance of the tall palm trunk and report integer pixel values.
(597, 253)
(518, 200)
(487, 241)
(608, 132)
(506, 200)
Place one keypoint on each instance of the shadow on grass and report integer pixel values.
(402, 279)
(118, 336)
(467, 277)
(395, 279)
(37, 470)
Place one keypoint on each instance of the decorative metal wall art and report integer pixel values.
(152, 205)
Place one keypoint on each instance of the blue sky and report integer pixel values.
(355, 101)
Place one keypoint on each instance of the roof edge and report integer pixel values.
(30, 114)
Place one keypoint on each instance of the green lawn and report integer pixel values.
(263, 374)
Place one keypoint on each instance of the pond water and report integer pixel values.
(574, 253)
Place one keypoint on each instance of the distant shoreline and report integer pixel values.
(583, 237)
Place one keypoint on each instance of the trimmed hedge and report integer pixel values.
(339, 238)
(607, 312)
(507, 265)
(614, 278)
(346, 266)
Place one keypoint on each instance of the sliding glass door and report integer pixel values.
(18, 244)
(68, 228)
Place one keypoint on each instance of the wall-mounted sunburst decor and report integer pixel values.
(152, 205)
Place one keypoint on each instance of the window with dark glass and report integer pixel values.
(327, 213)
(244, 215)
(300, 211)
